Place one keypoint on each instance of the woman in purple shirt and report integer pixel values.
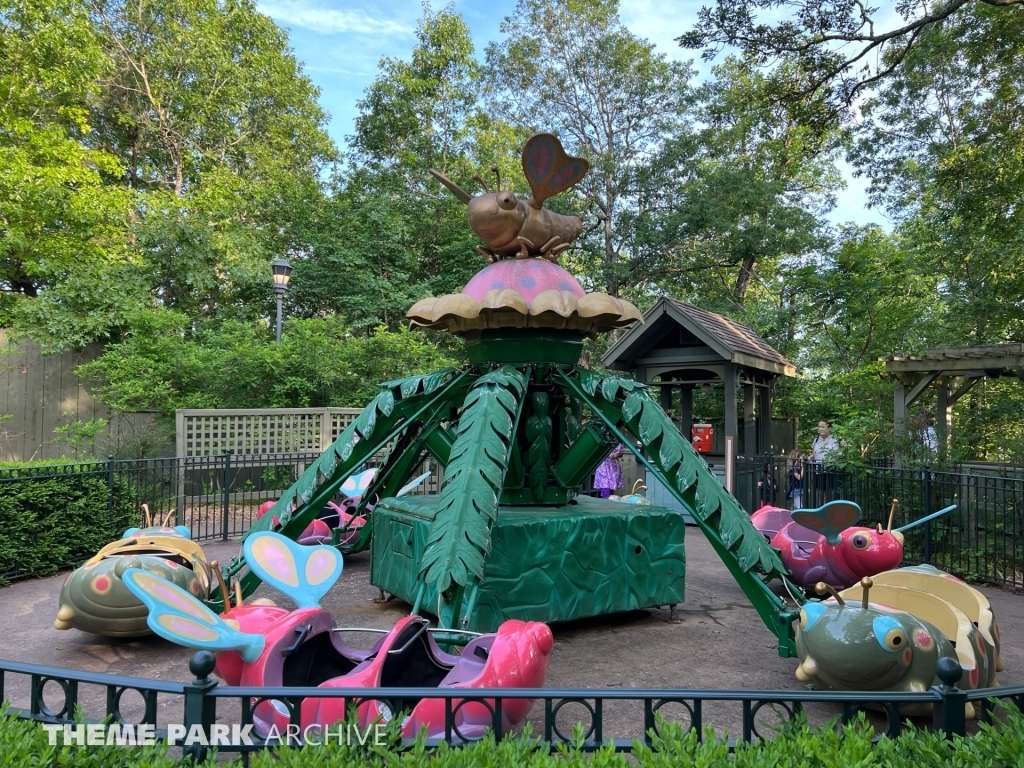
(608, 477)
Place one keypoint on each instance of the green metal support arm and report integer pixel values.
(769, 606)
(380, 423)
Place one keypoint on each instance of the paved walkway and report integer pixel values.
(719, 643)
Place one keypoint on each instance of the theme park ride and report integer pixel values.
(509, 536)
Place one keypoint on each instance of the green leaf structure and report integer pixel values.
(686, 471)
(631, 406)
(385, 419)
(460, 539)
(627, 404)
(538, 433)
(573, 420)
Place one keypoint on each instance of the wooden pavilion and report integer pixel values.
(682, 347)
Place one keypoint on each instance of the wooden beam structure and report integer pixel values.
(952, 371)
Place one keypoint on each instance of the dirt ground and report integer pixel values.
(718, 642)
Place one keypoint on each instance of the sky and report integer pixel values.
(340, 43)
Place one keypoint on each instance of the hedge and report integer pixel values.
(50, 522)
(24, 744)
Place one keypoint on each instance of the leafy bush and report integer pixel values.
(169, 362)
(51, 521)
(25, 743)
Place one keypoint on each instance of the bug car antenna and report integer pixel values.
(892, 512)
(821, 588)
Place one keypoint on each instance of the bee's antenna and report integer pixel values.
(497, 174)
(479, 179)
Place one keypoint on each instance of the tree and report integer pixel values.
(170, 362)
(841, 46)
(59, 216)
(417, 115)
(573, 68)
(862, 298)
(215, 143)
(748, 191)
(943, 145)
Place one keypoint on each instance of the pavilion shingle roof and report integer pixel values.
(732, 333)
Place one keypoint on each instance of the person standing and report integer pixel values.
(825, 445)
(796, 478)
(608, 477)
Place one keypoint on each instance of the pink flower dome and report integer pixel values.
(527, 276)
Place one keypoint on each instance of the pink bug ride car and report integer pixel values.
(261, 644)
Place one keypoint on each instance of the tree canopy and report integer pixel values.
(156, 157)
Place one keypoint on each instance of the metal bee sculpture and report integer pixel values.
(523, 228)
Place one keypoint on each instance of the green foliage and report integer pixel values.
(460, 535)
(943, 149)
(168, 363)
(58, 215)
(154, 154)
(795, 743)
(52, 521)
(78, 435)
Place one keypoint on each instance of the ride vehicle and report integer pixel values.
(262, 644)
(885, 635)
(94, 598)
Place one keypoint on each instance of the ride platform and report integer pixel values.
(546, 563)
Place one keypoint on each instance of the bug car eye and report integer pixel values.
(860, 540)
(889, 633)
(809, 614)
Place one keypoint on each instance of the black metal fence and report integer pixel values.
(981, 540)
(216, 497)
(53, 693)
(219, 496)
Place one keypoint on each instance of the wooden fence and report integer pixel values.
(39, 393)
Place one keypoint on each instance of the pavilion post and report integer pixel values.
(766, 418)
(749, 421)
(899, 418)
(729, 385)
(686, 411)
(943, 416)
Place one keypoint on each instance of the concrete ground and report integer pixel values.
(719, 642)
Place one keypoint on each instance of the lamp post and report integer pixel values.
(282, 272)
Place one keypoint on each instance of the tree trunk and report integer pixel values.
(744, 277)
(609, 243)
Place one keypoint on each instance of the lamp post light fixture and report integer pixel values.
(282, 272)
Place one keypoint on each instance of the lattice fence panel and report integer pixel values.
(212, 432)
(341, 418)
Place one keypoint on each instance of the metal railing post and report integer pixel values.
(927, 510)
(948, 715)
(200, 708)
(227, 492)
(110, 487)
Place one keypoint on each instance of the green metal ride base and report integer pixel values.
(547, 564)
(525, 345)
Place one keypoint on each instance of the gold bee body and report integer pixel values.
(523, 228)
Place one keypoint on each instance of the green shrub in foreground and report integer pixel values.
(24, 744)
